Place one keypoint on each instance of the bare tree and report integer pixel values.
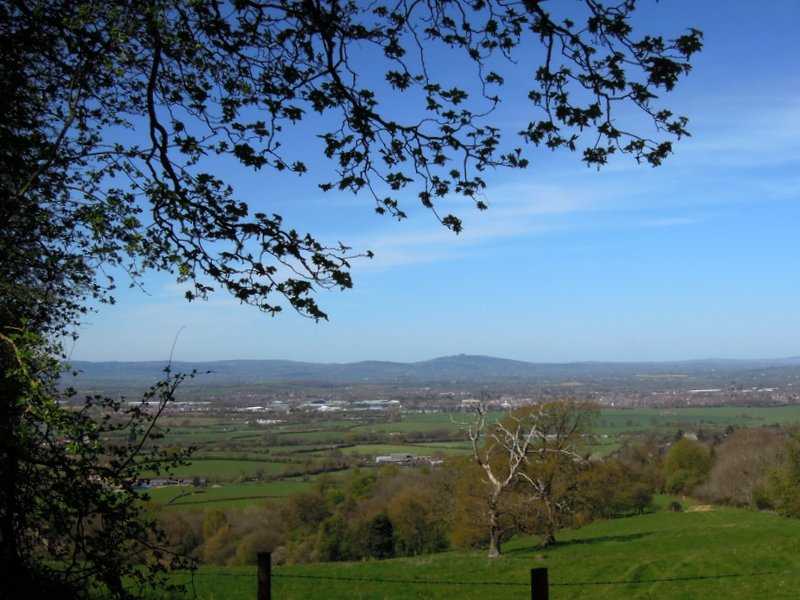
(552, 463)
(742, 465)
(520, 449)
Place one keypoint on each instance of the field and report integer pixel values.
(700, 553)
(227, 467)
(613, 421)
(249, 461)
(639, 419)
(414, 449)
(227, 496)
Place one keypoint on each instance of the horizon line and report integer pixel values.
(460, 355)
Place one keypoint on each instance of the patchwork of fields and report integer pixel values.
(246, 463)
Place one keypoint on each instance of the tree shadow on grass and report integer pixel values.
(630, 537)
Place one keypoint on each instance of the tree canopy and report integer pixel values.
(112, 113)
(112, 110)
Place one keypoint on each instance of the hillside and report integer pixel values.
(723, 552)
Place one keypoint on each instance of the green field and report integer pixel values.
(312, 437)
(415, 449)
(416, 422)
(724, 552)
(235, 450)
(641, 419)
(616, 420)
(228, 495)
(227, 468)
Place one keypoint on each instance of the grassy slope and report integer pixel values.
(657, 546)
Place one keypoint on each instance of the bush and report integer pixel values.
(417, 528)
(675, 506)
(742, 463)
(380, 537)
(686, 466)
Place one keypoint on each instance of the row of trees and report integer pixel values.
(757, 468)
(379, 515)
(404, 512)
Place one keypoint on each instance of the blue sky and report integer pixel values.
(697, 258)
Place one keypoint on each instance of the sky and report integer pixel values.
(696, 258)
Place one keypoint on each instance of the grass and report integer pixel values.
(229, 495)
(226, 468)
(603, 449)
(725, 546)
(311, 437)
(414, 423)
(641, 419)
(737, 554)
(612, 422)
(615, 420)
(415, 449)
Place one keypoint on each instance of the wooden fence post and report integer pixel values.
(264, 576)
(540, 589)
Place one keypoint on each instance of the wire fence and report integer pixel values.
(527, 584)
(451, 582)
(403, 581)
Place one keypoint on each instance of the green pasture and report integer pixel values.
(206, 435)
(227, 495)
(723, 552)
(444, 447)
(311, 437)
(315, 439)
(643, 419)
(412, 423)
(460, 445)
(415, 449)
(603, 447)
(616, 420)
(383, 449)
(227, 468)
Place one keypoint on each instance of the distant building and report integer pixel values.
(395, 459)
(407, 460)
(157, 482)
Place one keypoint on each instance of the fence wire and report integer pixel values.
(527, 584)
(668, 579)
(411, 581)
(446, 582)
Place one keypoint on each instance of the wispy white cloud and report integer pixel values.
(521, 211)
(668, 222)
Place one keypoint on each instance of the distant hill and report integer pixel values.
(458, 368)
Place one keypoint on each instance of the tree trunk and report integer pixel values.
(550, 526)
(11, 570)
(494, 529)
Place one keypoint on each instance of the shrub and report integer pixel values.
(380, 537)
(686, 466)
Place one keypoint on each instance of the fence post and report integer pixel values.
(540, 589)
(264, 576)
